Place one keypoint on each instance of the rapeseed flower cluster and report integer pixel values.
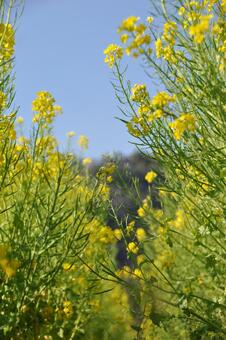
(7, 42)
(134, 36)
(113, 52)
(197, 31)
(43, 104)
(186, 122)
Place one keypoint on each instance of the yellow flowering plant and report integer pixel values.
(54, 237)
(180, 255)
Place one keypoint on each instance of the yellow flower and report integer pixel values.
(141, 212)
(124, 38)
(118, 234)
(198, 31)
(112, 52)
(140, 259)
(139, 93)
(44, 107)
(132, 248)
(68, 308)
(184, 122)
(87, 161)
(140, 29)
(70, 134)
(20, 120)
(109, 179)
(7, 41)
(83, 142)
(179, 221)
(150, 176)
(137, 272)
(140, 234)
(158, 113)
(2, 100)
(9, 266)
(158, 47)
(130, 226)
(106, 235)
(149, 20)
(162, 99)
(128, 24)
(181, 11)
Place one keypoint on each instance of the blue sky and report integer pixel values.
(59, 48)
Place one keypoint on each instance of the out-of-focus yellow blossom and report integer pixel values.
(181, 124)
(147, 327)
(158, 47)
(128, 24)
(105, 172)
(118, 234)
(223, 6)
(9, 267)
(132, 248)
(7, 41)
(166, 258)
(149, 20)
(169, 54)
(83, 142)
(181, 11)
(140, 259)
(157, 113)
(2, 100)
(106, 235)
(124, 38)
(200, 280)
(20, 120)
(24, 309)
(68, 308)
(70, 134)
(112, 52)
(130, 227)
(141, 212)
(133, 129)
(12, 133)
(169, 31)
(141, 234)
(138, 273)
(162, 99)
(95, 305)
(150, 176)
(105, 191)
(3, 250)
(140, 29)
(209, 4)
(23, 140)
(109, 179)
(124, 272)
(162, 192)
(179, 221)
(139, 93)
(198, 31)
(143, 109)
(163, 230)
(87, 161)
